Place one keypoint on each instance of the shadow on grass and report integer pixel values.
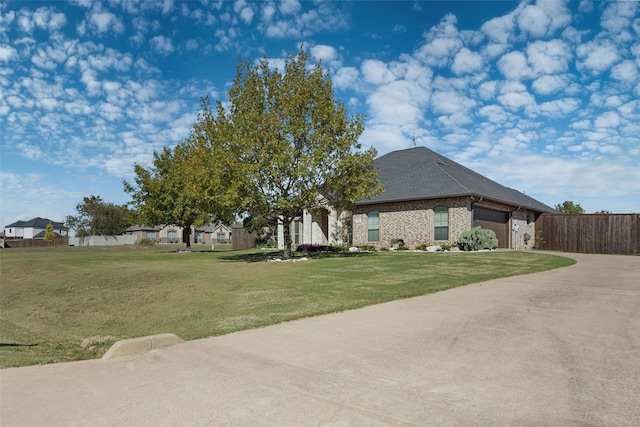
(266, 256)
(8, 344)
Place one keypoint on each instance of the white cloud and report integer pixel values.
(48, 19)
(586, 6)
(514, 66)
(167, 7)
(548, 84)
(549, 57)
(162, 45)
(376, 72)
(626, 71)
(399, 28)
(544, 18)
(102, 22)
(494, 113)
(268, 10)
(597, 56)
(290, 7)
(244, 10)
(451, 102)
(607, 120)
(487, 90)
(7, 53)
(499, 29)
(442, 42)
(515, 95)
(281, 29)
(560, 107)
(25, 23)
(466, 62)
(618, 16)
(324, 53)
(345, 78)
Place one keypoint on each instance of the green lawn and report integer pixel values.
(64, 304)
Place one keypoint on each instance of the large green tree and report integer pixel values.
(174, 190)
(97, 217)
(282, 141)
(568, 207)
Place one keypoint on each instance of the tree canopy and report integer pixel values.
(568, 207)
(280, 144)
(285, 142)
(172, 190)
(97, 217)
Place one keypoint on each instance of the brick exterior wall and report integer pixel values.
(520, 228)
(413, 222)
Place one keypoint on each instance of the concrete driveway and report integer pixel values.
(556, 348)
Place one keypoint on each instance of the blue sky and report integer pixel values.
(543, 97)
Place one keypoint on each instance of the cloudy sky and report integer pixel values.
(543, 97)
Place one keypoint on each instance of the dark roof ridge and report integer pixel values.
(441, 165)
(420, 173)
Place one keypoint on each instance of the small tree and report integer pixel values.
(97, 217)
(568, 207)
(49, 235)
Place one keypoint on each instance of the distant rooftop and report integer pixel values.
(36, 223)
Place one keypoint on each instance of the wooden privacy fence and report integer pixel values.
(36, 243)
(242, 239)
(590, 233)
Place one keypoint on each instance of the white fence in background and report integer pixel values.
(124, 239)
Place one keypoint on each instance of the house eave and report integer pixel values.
(473, 197)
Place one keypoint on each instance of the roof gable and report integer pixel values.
(37, 223)
(419, 173)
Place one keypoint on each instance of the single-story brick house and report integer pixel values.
(207, 234)
(431, 199)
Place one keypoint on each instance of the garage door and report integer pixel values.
(498, 221)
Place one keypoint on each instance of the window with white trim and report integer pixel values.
(373, 226)
(441, 223)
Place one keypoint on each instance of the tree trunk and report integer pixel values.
(286, 228)
(186, 235)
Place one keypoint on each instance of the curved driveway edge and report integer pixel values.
(560, 347)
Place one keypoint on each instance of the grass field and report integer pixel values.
(64, 304)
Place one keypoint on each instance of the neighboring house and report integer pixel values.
(207, 234)
(431, 199)
(144, 232)
(34, 229)
(212, 233)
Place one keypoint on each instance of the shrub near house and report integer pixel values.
(477, 239)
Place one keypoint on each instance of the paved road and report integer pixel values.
(556, 348)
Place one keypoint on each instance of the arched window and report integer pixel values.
(441, 223)
(373, 226)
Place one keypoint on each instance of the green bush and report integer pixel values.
(266, 244)
(147, 242)
(366, 248)
(402, 248)
(476, 239)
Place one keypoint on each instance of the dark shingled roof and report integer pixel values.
(419, 173)
(37, 223)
